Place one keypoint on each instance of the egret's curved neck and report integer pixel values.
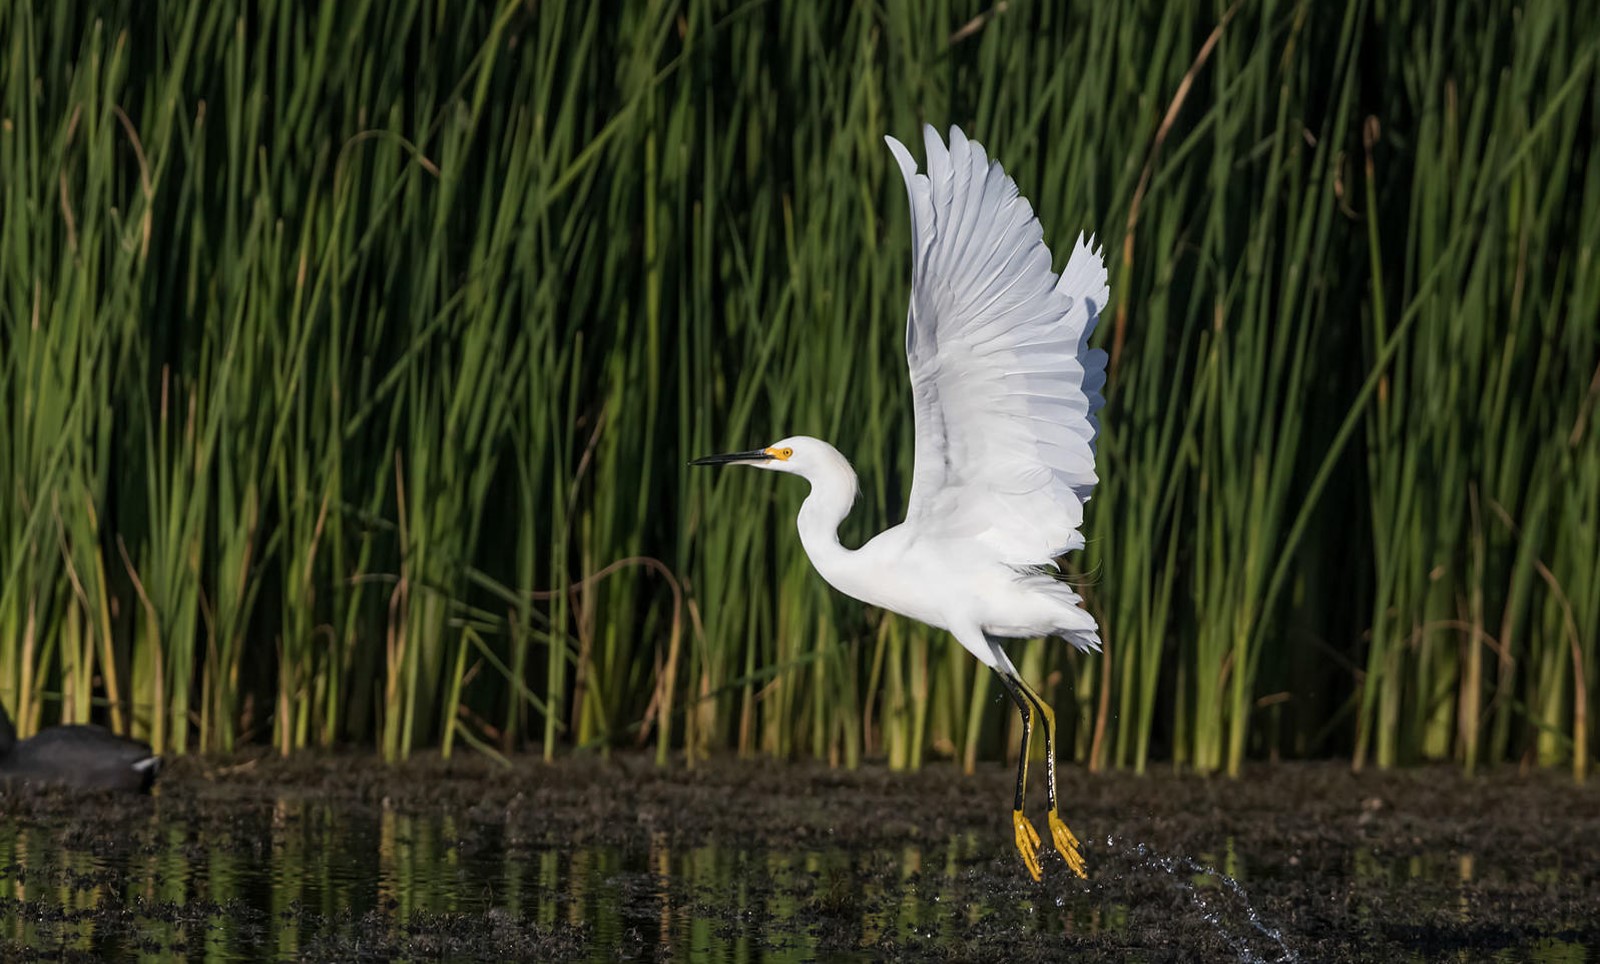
(832, 494)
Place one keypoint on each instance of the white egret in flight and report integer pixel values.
(1006, 390)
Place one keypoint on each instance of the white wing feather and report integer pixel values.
(1005, 385)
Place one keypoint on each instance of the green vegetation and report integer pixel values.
(351, 355)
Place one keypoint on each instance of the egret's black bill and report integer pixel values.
(754, 455)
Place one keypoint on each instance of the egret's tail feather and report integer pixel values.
(1071, 621)
(1088, 642)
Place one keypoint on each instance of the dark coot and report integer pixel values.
(80, 756)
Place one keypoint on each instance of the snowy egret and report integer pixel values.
(1005, 389)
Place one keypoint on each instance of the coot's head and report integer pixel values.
(82, 756)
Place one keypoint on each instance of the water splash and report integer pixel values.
(1178, 866)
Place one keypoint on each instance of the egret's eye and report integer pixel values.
(785, 453)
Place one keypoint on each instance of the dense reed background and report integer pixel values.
(350, 356)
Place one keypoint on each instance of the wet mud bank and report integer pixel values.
(342, 858)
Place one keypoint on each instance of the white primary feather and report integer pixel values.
(1006, 388)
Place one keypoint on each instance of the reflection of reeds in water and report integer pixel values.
(349, 360)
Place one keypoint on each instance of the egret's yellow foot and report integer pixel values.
(1027, 842)
(1066, 844)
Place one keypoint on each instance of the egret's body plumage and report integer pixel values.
(1005, 392)
(928, 571)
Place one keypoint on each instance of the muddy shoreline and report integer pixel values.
(613, 858)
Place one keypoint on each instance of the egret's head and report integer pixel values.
(833, 481)
(798, 454)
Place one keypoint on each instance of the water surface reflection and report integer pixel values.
(291, 879)
(313, 879)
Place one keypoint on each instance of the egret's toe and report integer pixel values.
(1067, 844)
(1027, 842)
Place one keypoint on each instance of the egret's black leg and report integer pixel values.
(1027, 837)
(1061, 835)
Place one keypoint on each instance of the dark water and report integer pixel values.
(321, 881)
(253, 877)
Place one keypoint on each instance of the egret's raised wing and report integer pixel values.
(1005, 384)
